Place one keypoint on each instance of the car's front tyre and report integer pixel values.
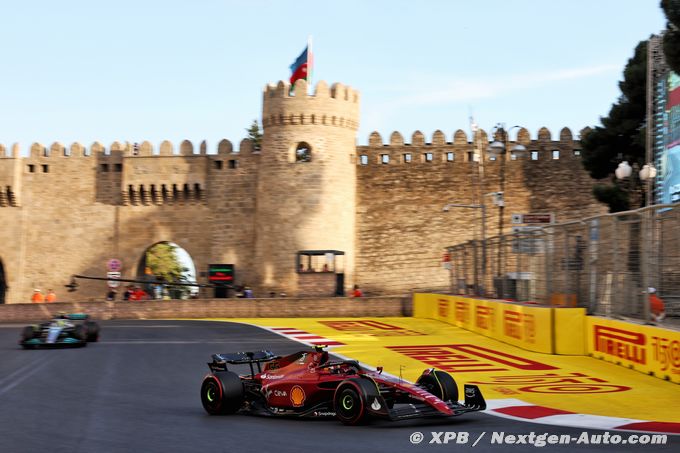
(28, 333)
(440, 384)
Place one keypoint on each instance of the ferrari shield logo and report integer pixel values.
(297, 396)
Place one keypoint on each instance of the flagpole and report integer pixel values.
(310, 61)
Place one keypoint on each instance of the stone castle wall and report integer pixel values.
(79, 208)
(402, 230)
(67, 210)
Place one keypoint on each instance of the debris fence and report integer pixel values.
(605, 263)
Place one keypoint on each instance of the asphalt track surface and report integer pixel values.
(137, 390)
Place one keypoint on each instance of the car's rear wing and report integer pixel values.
(219, 362)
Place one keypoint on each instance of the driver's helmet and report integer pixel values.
(324, 358)
(61, 319)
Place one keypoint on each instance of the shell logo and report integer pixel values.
(297, 396)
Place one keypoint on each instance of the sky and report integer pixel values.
(174, 69)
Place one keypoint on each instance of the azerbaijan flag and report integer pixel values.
(303, 64)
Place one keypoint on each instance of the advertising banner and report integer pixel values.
(523, 326)
(670, 156)
(649, 349)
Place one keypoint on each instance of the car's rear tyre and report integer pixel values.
(440, 384)
(350, 406)
(92, 330)
(222, 393)
(27, 333)
(351, 400)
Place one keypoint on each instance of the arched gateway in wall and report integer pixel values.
(155, 261)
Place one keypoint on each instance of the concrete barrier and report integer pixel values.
(648, 349)
(216, 308)
(539, 329)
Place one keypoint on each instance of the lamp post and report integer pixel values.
(446, 208)
(646, 175)
(498, 149)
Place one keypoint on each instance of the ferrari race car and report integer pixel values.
(64, 330)
(308, 384)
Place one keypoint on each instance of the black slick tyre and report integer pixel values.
(80, 332)
(92, 329)
(349, 403)
(27, 333)
(440, 384)
(222, 393)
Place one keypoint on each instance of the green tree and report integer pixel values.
(620, 137)
(164, 263)
(255, 135)
(671, 37)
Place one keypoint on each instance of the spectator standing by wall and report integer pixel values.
(139, 294)
(357, 292)
(38, 297)
(51, 296)
(656, 306)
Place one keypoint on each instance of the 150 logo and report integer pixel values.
(667, 353)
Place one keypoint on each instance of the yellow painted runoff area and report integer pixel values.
(407, 346)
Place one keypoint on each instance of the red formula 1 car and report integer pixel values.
(308, 384)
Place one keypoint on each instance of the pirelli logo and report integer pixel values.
(484, 317)
(619, 343)
(370, 328)
(462, 312)
(521, 326)
(467, 358)
(443, 308)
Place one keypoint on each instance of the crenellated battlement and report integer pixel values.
(337, 91)
(335, 106)
(462, 147)
(127, 149)
(460, 137)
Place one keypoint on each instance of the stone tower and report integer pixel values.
(306, 194)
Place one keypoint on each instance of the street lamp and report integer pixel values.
(624, 170)
(446, 208)
(498, 149)
(646, 175)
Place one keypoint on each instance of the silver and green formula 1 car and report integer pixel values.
(64, 330)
